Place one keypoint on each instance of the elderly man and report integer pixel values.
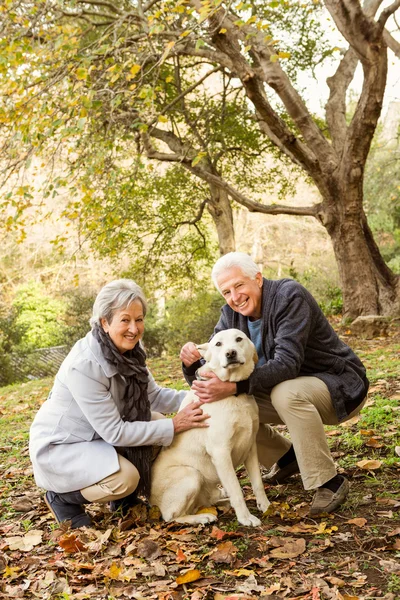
(305, 377)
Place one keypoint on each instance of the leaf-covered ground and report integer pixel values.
(353, 554)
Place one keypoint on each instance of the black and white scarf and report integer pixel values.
(135, 404)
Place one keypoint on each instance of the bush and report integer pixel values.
(185, 319)
(39, 318)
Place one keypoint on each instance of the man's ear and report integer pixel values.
(202, 348)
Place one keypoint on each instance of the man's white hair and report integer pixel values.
(234, 259)
(116, 295)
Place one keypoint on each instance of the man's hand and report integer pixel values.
(213, 389)
(189, 417)
(189, 354)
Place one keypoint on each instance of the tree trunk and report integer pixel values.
(369, 287)
(220, 209)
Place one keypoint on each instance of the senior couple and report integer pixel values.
(93, 439)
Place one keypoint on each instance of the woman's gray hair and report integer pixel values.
(114, 296)
(234, 259)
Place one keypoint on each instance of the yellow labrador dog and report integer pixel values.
(186, 475)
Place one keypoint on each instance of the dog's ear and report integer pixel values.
(255, 356)
(202, 348)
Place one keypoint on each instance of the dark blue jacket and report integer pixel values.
(298, 340)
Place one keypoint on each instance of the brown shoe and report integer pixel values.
(326, 501)
(278, 475)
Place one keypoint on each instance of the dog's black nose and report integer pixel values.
(231, 354)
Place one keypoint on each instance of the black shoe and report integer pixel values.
(278, 475)
(67, 507)
(125, 504)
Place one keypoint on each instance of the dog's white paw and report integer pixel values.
(200, 519)
(206, 518)
(263, 505)
(250, 521)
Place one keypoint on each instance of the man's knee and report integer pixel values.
(287, 394)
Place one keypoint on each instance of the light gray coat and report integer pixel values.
(73, 435)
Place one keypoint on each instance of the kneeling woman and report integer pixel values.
(92, 439)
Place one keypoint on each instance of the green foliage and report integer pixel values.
(38, 321)
(186, 319)
(382, 195)
(77, 314)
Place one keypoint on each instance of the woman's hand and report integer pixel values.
(213, 389)
(189, 417)
(189, 354)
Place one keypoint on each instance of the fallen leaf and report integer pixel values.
(149, 549)
(394, 532)
(224, 553)
(71, 543)
(390, 566)
(336, 581)
(25, 543)
(322, 528)
(240, 572)
(207, 510)
(22, 504)
(388, 501)
(181, 556)
(289, 549)
(113, 572)
(360, 522)
(369, 465)
(219, 534)
(367, 432)
(188, 577)
(373, 443)
(397, 450)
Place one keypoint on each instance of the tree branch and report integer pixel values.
(387, 12)
(184, 155)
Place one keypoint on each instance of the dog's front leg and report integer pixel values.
(253, 469)
(226, 472)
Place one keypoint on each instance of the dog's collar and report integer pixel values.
(199, 377)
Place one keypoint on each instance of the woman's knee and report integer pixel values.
(127, 478)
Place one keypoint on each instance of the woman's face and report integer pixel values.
(126, 327)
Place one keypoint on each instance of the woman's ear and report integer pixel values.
(104, 324)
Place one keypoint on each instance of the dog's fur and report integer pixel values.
(186, 475)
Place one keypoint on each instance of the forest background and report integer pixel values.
(133, 146)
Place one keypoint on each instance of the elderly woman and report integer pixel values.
(92, 439)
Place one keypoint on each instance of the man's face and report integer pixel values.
(241, 293)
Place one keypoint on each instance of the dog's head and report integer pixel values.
(230, 354)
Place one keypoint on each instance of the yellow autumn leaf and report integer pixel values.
(189, 576)
(162, 119)
(114, 571)
(207, 510)
(134, 70)
(169, 79)
(284, 54)
(322, 528)
(223, 30)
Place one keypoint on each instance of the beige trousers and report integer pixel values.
(304, 405)
(119, 484)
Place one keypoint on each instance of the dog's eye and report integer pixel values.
(239, 339)
(218, 344)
